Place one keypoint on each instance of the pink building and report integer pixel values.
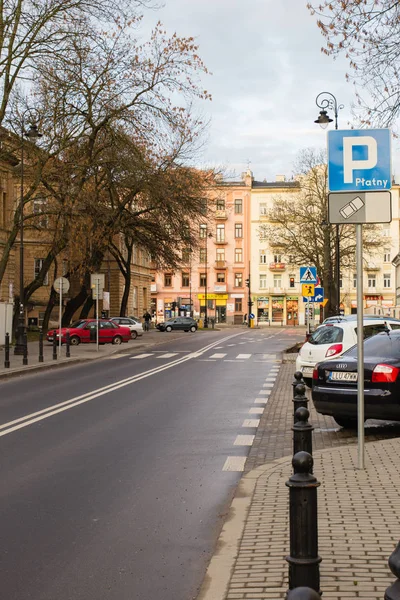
(212, 281)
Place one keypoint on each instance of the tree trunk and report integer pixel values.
(87, 307)
(49, 309)
(73, 305)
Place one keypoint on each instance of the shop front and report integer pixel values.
(292, 310)
(277, 312)
(216, 306)
(262, 310)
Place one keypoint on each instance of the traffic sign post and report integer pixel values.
(359, 163)
(308, 275)
(60, 285)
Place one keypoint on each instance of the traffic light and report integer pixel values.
(291, 282)
(247, 282)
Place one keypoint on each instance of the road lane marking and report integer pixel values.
(232, 360)
(141, 356)
(114, 356)
(244, 440)
(261, 401)
(243, 356)
(251, 423)
(218, 355)
(54, 409)
(256, 411)
(234, 463)
(269, 385)
(168, 355)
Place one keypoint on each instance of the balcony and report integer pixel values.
(372, 267)
(220, 264)
(277, 266)
(220, 240)
(220, 288)
(221, 215)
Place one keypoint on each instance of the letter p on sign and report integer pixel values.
(349, 164)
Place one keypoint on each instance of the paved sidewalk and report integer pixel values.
(358, 511)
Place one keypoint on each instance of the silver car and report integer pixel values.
(135, 327)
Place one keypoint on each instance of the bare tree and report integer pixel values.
(368, 33)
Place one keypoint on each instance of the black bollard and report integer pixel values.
(298, 378)
(299, 399)
(393, 591)
(25, 358)
(303, 560)
(7, 352)
(54, 346)
(302, 432)
(67, 344)
(303, 593)
(41, 358)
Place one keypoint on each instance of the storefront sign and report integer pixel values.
(213, 296)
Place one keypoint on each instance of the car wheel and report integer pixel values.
(169, 328)
(74, 340)
(308, 382)
(193, 328)
(117, 340)
(346, 422)
(134, 334)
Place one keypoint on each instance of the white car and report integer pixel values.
(332, 339)
(135, 326)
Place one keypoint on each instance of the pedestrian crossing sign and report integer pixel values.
(308, 275)
(308, 290)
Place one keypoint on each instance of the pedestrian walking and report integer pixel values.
(147, 319)
(245, 319)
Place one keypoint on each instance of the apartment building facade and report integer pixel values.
(212, 280)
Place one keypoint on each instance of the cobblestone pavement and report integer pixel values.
(274, 435)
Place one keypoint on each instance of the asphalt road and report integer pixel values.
(112, 474)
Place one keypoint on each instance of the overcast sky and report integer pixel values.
(267, 69)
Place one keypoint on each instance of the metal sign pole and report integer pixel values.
(360, 346)
(97, 313)
(60, 319)
(308, 315)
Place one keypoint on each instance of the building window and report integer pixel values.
(220, 254)
(167, 279)
(220, 204)
(38, 268)
(186, 255)
(291, 259)
(238, 279)
(354, 280)
(238, 230)
(4, 208)
(263, 208)
(238, 255)
(203, 208)
(386, 255)
(203, 231)
(202, 255)
(277, 281)
(238, 206)
(185, 279)
(39, 208)
(238, 305)
(263, 257)
(340, 281)
(203, 280)
(263, 282)
(220, 233)
(371, 280)
(220, 277)
(386, 280)
(277, 258)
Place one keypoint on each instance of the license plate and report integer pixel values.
(50, 339)
(308, 371)
(342, 376)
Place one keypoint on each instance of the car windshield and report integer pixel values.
(383, 344)
(326, 335)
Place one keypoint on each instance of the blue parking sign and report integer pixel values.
(359, 160)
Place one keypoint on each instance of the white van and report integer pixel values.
(332, 339)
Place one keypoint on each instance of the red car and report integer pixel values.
(84, 331)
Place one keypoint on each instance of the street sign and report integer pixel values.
(252, 316)
(317, 297)
(97, 285)
(359, 160)
(360, 207)
(308, 289)
(308, 275)
(61, 284)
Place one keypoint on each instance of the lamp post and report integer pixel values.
(324, 101)
(20, 341)
(208, 235)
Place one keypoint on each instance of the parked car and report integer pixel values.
(84, 331)
(135, 327)
(178, 324)
(334, 385)
(333, 339)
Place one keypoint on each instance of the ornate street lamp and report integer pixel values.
(208, 235)
(32, 134)
(324, 101)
